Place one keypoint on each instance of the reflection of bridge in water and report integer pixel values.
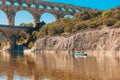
(61, 66)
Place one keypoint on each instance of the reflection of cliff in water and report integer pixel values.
(98, 66)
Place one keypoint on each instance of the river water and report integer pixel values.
(48, 66)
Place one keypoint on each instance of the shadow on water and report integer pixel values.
(17, 51)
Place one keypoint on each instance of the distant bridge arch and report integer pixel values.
(68, 16)
(48, 16)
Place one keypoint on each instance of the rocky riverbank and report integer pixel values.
(104, 39)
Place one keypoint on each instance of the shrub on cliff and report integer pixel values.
(83, 15)
(81, 25)
(109, 22)
(117, 24)
(30, 44)
(35, 34)
(107, 14)
(82, 20)
(68, 29)
(95, 23)
(44, 31)
(117, 13)
(88, 14)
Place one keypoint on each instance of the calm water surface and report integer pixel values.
(40, 66)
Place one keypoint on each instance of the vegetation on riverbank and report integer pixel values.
(83, 20)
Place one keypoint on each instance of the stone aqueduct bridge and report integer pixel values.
(11, 32)
(36, 8)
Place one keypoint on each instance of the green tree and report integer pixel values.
(22, 24)
(30, 25)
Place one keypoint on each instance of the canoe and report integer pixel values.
(80, 55)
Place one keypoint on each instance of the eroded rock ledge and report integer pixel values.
(105, 39)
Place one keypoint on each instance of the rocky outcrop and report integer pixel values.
(104, 39)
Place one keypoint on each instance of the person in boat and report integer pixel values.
(82, 52)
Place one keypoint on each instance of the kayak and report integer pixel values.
(80, 55)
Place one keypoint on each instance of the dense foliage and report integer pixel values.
(83, 20)
(27, 25)
(28, 38)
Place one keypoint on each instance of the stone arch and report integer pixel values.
(8, 3)
(16, 4)
(5, 16)
(40, 6)
(68, 16)
(24, 15)
(49, 14)
(69, 10)
(24, 5)
(48, 7)
(76, 10)
(32, 5)
(63, 9)
(55, 8)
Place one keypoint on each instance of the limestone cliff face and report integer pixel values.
(90, 40)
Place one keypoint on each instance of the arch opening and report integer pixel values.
(48, 7)
(47, 18)
(56, 8)
(70, 10)
(62, 9)
(24, 18)
(16, 4)
(33, 6)
(68, 16)
(8, 3)
(1, 2)
(76, 10)
(4, 42)
(3, 18)
(41, 7)
(24, 5)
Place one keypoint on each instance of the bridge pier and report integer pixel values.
(36, 21)
(12, 41)
(11, 17)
